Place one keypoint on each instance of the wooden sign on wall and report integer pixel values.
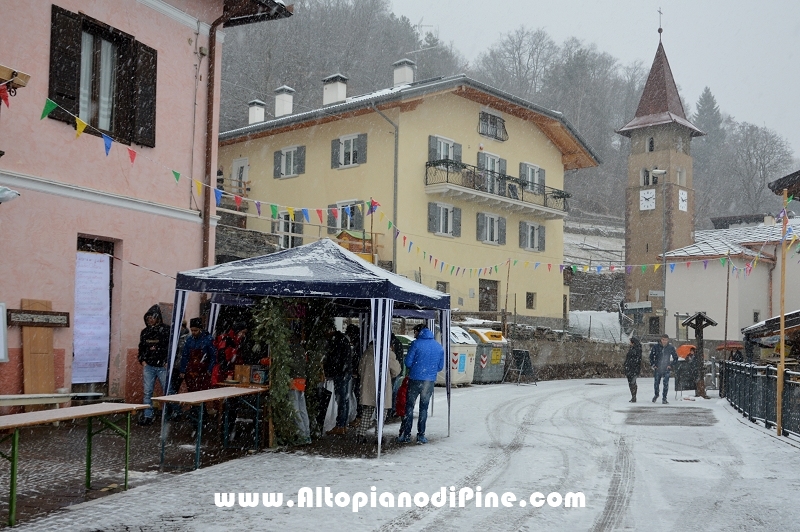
(37, 318)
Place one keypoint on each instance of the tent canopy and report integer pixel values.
(321, 269)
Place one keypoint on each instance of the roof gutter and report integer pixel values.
(394, 184)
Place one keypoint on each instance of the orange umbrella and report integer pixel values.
(683, 350)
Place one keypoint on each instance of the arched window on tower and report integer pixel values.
(651, 144)
(644, 177)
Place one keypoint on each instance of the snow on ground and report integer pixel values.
(598, 325)
(689, 465)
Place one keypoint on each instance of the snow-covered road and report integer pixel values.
(687, 465)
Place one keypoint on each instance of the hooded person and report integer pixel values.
(424, 360)
(153, 354)
(369, 389)
(633, 366)
(198, 357)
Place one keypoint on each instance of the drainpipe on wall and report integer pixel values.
(769, 284)
(394, 190)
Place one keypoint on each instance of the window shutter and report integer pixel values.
(300, 154)
(358, 215)
(501, 182)
(481, 160)
(541, 179)
(481, 224)
(541, 238)
(523, 235)
(361, 143)
(433, 217)
(502, 166)
(331, 219)
(431, 148)
(336, 146)
(501, 231)
(523, 173)
(144, 96)
(456, 221)
(277, 158)
(65, 63)
(457, 152)
(298, 227)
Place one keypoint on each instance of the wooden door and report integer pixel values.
(38, 366)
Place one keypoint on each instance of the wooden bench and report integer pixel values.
(102, 411)
(43, 398)
(196, 399)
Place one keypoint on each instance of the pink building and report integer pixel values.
(136, 72)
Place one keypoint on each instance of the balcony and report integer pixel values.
(458, 180)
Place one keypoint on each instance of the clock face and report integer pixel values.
(683, 200)
(647, 200)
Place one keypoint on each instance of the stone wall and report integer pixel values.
(233, 243)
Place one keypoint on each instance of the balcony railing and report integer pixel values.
(495, 184)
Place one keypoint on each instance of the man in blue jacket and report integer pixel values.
(424, 360)
(662, 359)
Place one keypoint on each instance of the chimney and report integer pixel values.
(334, 89)
(283, 100)
(404, 72)
(256, 109)
(769, 219)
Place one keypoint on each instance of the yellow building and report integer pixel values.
(465, 175)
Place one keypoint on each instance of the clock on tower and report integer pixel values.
(647, 200)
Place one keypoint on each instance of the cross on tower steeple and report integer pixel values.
(660, 30)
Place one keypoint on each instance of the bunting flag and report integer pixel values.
(410, 245)
(526, 264)
(319, 213)
(49, 107)
(404, 240)
(705, 264)
(217, 195)
(480, 270)
(198, 186)
(458, 270)
(789, 199)
(382, 216)
(238, 201)
(290, 210)
(177, 176)
(396, 233)
(390, 225)
(274, 209)
(335, 213)
(373, 206)
(258, 207)
(80, 125)
(612, 267)
(688, 263)
(599, 269)
(107, 143)
(537, 265)
(131, 155)
(672, 267)
(722, 260)
(4, 94)
(452, 269)
(549, 266)
(628, 269)
(417, 250)
(424, 254)
(436, 262)
(305, 215)
(347, 211)
(515, 263)
(644, 268)
(585, 268)
(560, 268)
(655, 267)
(441, 267)
(495, 268)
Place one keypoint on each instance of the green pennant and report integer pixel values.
(644, 268)
(574, 268)
(495, 268)
(177, 175)
(274, 209)
(515, 263)
(723, 260)
(789, 199)
(49, 107)
(390, 224)
(452, 269)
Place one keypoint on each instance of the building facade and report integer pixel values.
(105, 220)
(465, 175)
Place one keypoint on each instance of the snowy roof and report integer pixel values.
(713, 247)
(320, 269)
(402, 92)
(733, 241)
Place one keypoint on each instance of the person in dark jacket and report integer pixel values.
(424, 360)
(230, 352)
(153, 353)
(633, 366)
(338, 366)
(198, 357)
(663, 358)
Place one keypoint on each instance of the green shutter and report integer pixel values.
(456, 221)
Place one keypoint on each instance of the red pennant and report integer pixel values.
(132, 155)
(549, 266)
(335, 213)
(319, 213)
(688, 264)
(238, 200)
(4, 94)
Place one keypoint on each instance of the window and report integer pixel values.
(493, 173)
(286, 227)
(441, 286)
(239, 180)
(493, 126)
(491, 229)
(103, 76)
(644, 177)
(654, 325)
(530, 300)
(681, 177)
(346, 215)
(444, 219)
(487, 295)
(442, 149)
(756, 316)
(651, 144)
(289, 162)
(532, 178)
(349, 150)
(531, 236)
(681, 331)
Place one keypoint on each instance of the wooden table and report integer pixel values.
(25, 399)
(214, 394)
(102, 411)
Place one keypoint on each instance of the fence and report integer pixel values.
(753, 389)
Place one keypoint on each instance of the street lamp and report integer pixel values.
(660, 173)
(6, 194)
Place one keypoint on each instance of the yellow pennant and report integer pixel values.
(656, 267)
(382, 216)
(290, 210)
(585, 268)
(199, 187)
(417, 250)
(526, 264)
(80, 125)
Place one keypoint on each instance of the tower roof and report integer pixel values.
(660, 103)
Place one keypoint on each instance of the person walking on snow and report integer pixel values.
(369, 390)
(153, 352)
(424, 360)
(662, 357)
(633, 366)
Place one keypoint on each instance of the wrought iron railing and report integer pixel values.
(506, 186)
(753, 391)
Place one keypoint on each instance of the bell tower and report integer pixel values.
(659, 196)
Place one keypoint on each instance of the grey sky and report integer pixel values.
(747, 52)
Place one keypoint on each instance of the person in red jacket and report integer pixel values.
(229, 346)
